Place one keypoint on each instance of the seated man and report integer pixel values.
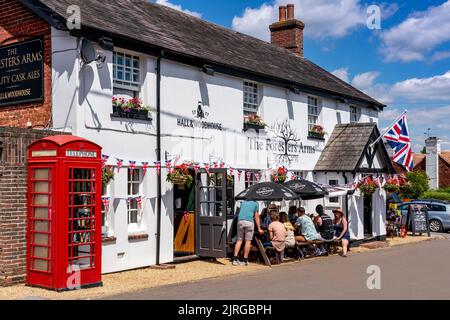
(324, 224)
(308, 230)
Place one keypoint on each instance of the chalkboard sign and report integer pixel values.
(418, 219)
(22, 72)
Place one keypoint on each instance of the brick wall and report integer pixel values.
(13, 205)
(444, 174)
(17, 23)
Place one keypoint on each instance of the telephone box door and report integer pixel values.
(41, 223)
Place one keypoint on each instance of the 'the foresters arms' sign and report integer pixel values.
(22, 72)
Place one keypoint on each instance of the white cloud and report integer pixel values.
(323, 18)
(255, 22)
(167, 3)
(342, 74)
(440, 55)
(416, 37)
(432, 88)
(365, 80)
(435, 88)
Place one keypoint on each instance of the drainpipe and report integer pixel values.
(158, 158)
(346, 197)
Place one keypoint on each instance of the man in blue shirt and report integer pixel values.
(248, 216)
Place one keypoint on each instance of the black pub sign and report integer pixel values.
(22, 72)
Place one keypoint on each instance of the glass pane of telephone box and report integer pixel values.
(41, 226)
(41, 213)
(41, 200)
(41, 252)
(41, 239)
(41, 174)
(41, 265)
(41, 187)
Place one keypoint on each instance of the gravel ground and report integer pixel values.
(114, 284)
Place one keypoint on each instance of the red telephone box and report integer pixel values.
(64, 213)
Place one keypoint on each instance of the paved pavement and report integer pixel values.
(418, 271)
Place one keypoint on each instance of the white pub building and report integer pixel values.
(203, 83)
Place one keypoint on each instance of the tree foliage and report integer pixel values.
(417, 184)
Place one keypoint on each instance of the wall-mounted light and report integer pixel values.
(341, 100)
(106, 43)
(209, 70)
(295, 89)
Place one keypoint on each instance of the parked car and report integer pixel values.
(438, 211)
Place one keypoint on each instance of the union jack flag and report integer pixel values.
(399, 140)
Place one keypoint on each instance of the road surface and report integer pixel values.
(417, 271)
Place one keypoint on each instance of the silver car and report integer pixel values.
(439, 213)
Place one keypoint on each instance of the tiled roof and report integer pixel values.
(418, 158)
(166, 28)
(346, 147)
(445, 155)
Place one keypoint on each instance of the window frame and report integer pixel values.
(130, 85)
(355, 111)
(106, 217)
(134, 227)
(333, 181)
(252, 181)
(316, 115)
(254, 107)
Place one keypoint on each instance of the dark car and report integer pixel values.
(439, 213)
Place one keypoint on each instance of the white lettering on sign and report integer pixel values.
(81, 154)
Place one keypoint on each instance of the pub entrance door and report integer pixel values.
(368, 209)
(211, 222)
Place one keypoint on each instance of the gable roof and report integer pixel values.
(185, 35)
(347, 146)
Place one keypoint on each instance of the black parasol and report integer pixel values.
(267, 191)
(306, 190)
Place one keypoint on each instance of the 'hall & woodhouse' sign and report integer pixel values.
(22, 72)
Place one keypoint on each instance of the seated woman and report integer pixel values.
(290, 235)
(342, 232)
(277, 234)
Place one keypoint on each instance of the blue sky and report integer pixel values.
(405, 64)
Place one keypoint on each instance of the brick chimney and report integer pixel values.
(288, 31)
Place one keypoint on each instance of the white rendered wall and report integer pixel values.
(82, 105)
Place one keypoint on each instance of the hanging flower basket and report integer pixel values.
(180, 176)
(367, 187)
(107, 176)
(280, 175)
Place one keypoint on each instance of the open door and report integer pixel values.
(368, 209)
(211, 222)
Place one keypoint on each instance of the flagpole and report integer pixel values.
(389, 128)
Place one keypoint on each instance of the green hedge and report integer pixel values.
(437, 195)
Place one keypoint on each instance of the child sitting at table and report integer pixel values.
(290, 230)
(277, 234)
